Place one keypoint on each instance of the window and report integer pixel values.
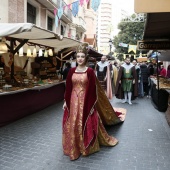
(31, 14)
(62, 30)
(88, 5)
(77, 37)
(49, 23)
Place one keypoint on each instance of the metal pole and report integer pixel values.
(157, 77)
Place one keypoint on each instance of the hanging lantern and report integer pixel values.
(40, 53)
(3, 46)
(34, 52)
(21, 52)
(45, 53)
(29, 52)
(50, 52)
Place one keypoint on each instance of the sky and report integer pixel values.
(118, 5)
(127, 5)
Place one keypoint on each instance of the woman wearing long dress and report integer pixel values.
(83, 129)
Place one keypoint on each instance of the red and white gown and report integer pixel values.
(73, 145)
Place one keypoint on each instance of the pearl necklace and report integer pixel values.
(81, 70)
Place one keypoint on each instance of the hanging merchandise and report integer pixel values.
(21, 52)
(3, 46)
(50, 52)
(87, 1)
(34, 52)
(75, 8)
(29, 52)
(40, 54)
(95, 4)
(45, 53)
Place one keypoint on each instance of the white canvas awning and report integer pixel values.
(36, 35)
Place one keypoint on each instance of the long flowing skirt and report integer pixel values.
(73, 145)
(108, 114)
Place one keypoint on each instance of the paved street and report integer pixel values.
(34, 142)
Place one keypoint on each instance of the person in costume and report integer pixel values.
(127, 85)
(140, 80)
(84, 113)
(114, 75)
(103, 70)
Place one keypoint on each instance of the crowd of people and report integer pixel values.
(130, 79)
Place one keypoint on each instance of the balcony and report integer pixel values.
(81, 24)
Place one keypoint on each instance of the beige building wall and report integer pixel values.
(90, 18)
(151, 6)
(3, 11)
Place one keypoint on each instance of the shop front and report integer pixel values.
(156, 37)
(29, 82)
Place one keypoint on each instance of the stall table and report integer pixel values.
(159, 97)
(17, 104)
(167, 113)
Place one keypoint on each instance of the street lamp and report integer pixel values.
(110, 44)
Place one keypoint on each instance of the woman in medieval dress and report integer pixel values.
(84, 113)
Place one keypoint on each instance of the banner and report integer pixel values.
(56, 21)
(95, 4)
(81, 2)
(75, 8)
(132, 48)
(60, 12)
(123, 45)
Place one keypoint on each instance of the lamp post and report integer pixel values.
(110, 44)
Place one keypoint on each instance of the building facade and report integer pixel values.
(90, 19)
(41, 13)
(104, 26)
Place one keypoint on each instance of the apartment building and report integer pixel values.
(104, 24)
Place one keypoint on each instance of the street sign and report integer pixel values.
(153, 45)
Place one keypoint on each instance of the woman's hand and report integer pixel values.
(64, 105)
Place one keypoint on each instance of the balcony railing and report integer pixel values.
(82, 22)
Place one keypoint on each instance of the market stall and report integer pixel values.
(24, 92)
(159, 84)
(160, 95)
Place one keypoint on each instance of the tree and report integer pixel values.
(130, 33)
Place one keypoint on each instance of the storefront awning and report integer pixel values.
(36, 35)
(157, 26)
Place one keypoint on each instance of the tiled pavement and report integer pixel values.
(34, 142)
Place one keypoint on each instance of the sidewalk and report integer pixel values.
(34, 143)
